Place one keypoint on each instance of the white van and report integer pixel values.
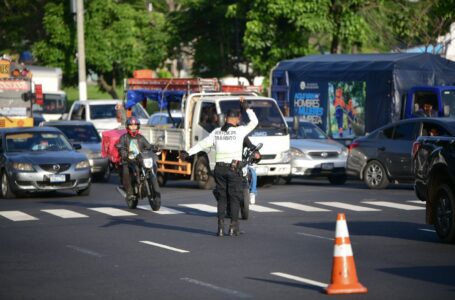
(103, 113)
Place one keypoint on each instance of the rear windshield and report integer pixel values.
(103, 111)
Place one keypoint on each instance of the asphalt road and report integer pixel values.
(61, 246)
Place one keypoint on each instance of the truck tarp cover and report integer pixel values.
(316, 87)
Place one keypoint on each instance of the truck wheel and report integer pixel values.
(203, 175)
(162, 179)
(445, 214)
(7, 193)
(337, 179)
(245, 204)
(375, 176)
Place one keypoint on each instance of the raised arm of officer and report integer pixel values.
(251, 115)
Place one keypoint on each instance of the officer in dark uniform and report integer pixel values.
(228, 143)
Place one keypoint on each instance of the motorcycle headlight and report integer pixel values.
(23, 167)
(83, 165)
(148, 162)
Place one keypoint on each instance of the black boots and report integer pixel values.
(234, 229)
(220, 231)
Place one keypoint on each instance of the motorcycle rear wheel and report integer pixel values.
(132, 202)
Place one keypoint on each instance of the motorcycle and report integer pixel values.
(144, 181)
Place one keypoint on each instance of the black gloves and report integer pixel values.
(243, 104)
(184, 155)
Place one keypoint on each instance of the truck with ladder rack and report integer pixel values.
(18, 95)
(203, 108)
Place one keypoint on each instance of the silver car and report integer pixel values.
(85, 134)
(314, 154)
(41, 159)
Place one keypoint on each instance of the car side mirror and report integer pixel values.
(77, 146)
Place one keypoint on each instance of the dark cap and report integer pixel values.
(233, 113)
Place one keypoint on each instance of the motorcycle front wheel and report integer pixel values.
(154, 194)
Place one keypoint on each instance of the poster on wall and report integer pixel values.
(346, 117)
(307, 106)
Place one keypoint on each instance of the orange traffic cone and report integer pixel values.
(344, 275)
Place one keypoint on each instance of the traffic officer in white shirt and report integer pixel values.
(228, 144)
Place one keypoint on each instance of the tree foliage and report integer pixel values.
(118, 39)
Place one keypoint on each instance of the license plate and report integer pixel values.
(57, 178)
(327, 166)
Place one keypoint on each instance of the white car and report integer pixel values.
(314, 154)
(162, 119)
(103, 113)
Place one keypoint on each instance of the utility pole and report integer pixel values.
(81, 50)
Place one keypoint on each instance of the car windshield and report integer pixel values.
(271, 121)
(139, 112)
(103, 111)
(80, 134)
(36, 141)
(307, 131)
(448, 102)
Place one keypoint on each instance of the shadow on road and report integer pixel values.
(435, 274)
(142, 223)
(392, 229)
(290, 284)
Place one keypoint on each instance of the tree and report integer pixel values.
(118, 39)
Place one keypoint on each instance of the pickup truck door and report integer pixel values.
(204, 121)
(397, 151)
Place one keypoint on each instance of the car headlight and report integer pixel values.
(148, 162)
(294, 152)
(344, 152)
(83, 165)
(23, 167)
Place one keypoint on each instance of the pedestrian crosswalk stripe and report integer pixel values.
(348, 206)
(417, 202)
(260, 208)
(163, 210)
(15, 215)
(395, 205)
(115, 212)
(298, 206)
(64, 213)
(202, 207)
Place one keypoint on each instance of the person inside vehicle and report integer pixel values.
(130, 145)
(427, 110)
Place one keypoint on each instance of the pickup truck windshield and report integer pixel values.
(448, 102)
(270, 119)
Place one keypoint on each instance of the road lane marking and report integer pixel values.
(164, 247)
(64, 213)
(115, 212)
(429, 230)
(217, 288)
(394, 205)
(15, 215)
(316, 236)
(298, 206)
(348, 206)
(201, 207)
(260, 208)
(301, 279)
(416, 202)
(163, 210)
(85, 251)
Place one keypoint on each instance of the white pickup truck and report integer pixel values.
(202, 112)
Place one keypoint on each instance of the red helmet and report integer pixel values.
(132, 121)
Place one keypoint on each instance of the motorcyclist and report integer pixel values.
(131, 144)
(256, 158)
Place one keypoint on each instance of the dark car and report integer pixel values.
(40, 159)
(85, 134)
(385, 155)
(434, 169)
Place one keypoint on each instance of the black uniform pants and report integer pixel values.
(129, 168)
(228, 186)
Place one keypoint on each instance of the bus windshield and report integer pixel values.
(271, 121)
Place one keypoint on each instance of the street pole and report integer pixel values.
(81, 51)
